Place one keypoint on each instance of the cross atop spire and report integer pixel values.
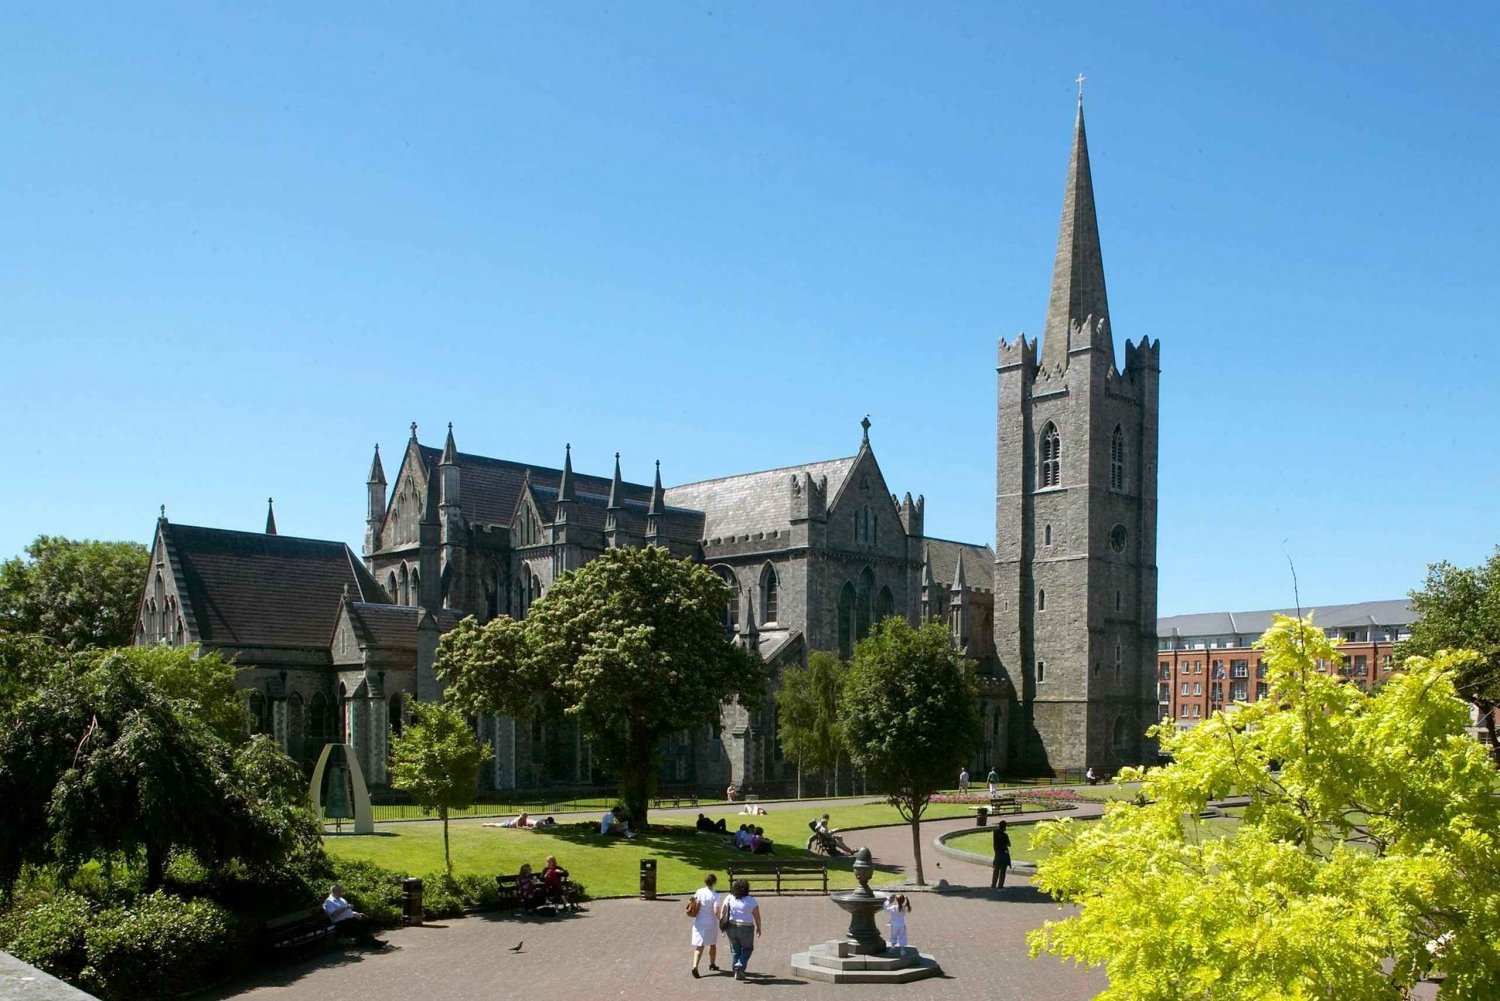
(658, 501)
(616, 488)
(565, 485)
(1079, 81)
(413, 430)
(450, 450)
(270, 516)
(377, 472)
(1078, 271)
(865, 427)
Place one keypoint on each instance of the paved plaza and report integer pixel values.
(639, 949)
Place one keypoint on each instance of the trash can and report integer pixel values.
(981, 816)
(411, 901)
(648, 879)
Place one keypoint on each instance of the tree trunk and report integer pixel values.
(156, 866)
(447, 855)
(916, 846)
(835, 773)
(799, 776)
(1487, 717)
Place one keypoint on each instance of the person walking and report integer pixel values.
(740, 915)
(994, 781)
(963, 780)
(1002, 857)
(703, 908)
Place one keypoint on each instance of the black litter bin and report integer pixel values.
(411, 901)
(981, 816)
(648, 879)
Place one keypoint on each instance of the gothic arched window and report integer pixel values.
(1049, 473)
(1047, 535)
(886, 605)
(864, 605)
(396, 718)
(1117, 460)
(416, 587)
(527, 596)
(403, 588)
(770, 598)
(1041, 599)
(732, 606)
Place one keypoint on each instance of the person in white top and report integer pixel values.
(963, 780)
(896, 905)
(705, 923)
(743, 913)
(347, 920)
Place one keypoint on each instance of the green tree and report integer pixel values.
(201, 684)
(807, 707)
(1371, 836)
(97, 763)
(26, 659)
(1459, 608)
(437, 760)
(630, 646)
(910, 716)
(76, 593)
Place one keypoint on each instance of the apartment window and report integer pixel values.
(1260, 668)
(1197, 667)
(1361, 666)
(1216, 692)
(1261, 690)
(1239, 669)
(1197, 688)
(1197, 710)
(1184, 712)
(1184, 688)
(1385, 662)
(1239, 690)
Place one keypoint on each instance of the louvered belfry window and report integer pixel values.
(1051, 458)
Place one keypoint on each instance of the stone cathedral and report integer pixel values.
(1058, 618)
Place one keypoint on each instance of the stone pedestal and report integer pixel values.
(837, 962)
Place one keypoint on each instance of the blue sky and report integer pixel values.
(238, 246)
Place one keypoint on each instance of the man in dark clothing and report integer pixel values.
(1002, 857)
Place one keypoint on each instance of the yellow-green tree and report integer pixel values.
(1371, 837)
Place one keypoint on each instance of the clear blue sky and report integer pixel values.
(238, 247)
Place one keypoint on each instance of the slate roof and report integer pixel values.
(752, 502)
(393, 627)
(1395, 612)
(979, 563)
(489, 489)
(249, 589)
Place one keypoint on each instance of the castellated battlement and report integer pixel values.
(1021, 352)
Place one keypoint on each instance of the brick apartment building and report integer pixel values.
(1208, 660)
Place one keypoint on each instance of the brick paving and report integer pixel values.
(635, 949)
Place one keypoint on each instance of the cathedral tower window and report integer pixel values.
(770, 594)
(390, 587)
(1049, 472)
(1047, 534)
(416, 587)
(1117, 459)
(1041, 671)
(403, 587)
(1041, 599)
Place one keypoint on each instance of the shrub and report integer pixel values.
(371, 890)
(49, 935)
(161, 945)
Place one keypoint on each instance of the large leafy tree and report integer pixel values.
(910, 716)
(76, 593)
(807, 707)
(1372, 836)
(1459, 608)
(200, 684)
(631, 646)
(437, 760)
(26, 659)
(98, 763)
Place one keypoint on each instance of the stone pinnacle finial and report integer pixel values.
(413, 430)
(163, 512)
(865, 427)
(270, 516)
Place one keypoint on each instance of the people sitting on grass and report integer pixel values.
(712, 826)
(759, 843)
(742, 837)
(347, 921)
(613, 823)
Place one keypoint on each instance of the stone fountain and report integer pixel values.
(861, 956)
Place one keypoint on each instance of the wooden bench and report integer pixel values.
(675, 797)
(291, 933)
(1005, 804)
(789, 876)
(509, 891)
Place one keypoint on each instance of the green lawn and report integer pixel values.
(979, 841)
(609, 866)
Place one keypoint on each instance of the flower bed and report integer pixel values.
(1050, 799)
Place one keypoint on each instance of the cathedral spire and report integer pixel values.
(658, 504)
(377, 471)
(1078, 271)
(565, 485)
(616, 488)
(270, 516)
(960, 580)
(450, 450)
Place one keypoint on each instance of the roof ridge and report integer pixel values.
(760, 472)
(261, 535)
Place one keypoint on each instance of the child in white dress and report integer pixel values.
(896, 905)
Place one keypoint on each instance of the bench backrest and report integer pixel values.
(309, 916)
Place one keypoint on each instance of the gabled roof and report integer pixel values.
(1395, 612)
(752, 502)
(248, 589)
(979, 563)
(393, 627)
(489, 488)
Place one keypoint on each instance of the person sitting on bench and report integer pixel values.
(347, 921)
(527, 888)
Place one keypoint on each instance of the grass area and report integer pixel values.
(1105, 793)
(979, 840)
(610, 866)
